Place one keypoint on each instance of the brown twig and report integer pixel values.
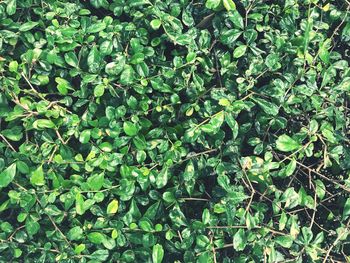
(8, 143)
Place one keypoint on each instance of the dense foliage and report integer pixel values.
(174, 131)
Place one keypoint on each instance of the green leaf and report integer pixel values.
(11, 7)
(239, 240)
(130, 128)
(117, 66)
(32, 226)
(37, 177)
(346, 210)
(106, 147)
(127, 76)
(239, 51)
(157, 253)
(43, 124)
(71, 59)
(291, 167)
(106, 47)
(236, 18)
(268, 107)
(96, 27)
(96, 181)
(217, 120)
(229, 5)
(75, 233)
(27, 26)
(100, 255)
(96, 237)
(272, 61)
(283, 221)
(189, 177)
(79, 248)
(14, 134)
(94, 60)
(156, 23)
(146, 225)
(7, 176)
(85, 136)
(320, 189)
(162, 177)
(285, 241)
(232, 123)
(63, 85)
(79, 204)
(99, 90)
(13, 66)
(291, 198)
(192, 134)
(285, 143)
(112, 207)
(213, 4)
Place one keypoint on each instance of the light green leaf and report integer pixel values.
(7, 175)
(75, 233)
(268, 107)
(162, 178)
(32, 226)
(320, 189)
(79, 248)
(213, 4)
(157, 253)
(11, 7)
(229, 5)
(130, 128)
(96, 27)
(94, 60)
(239, 51)
(96, 181)
(85, 136)
(156, 23)
(146, 225)
(127, 76)
(239, 240)
(106, 147)
(37, 177)
(285, 241)
(79, 204)
(63, 85)
(99, 90)
(43, 124)
(217, 120)
(291, 167)
(285, 143)
(96, 237)
(71, 59)
(27, 26)
(232, 123)
(13, 66)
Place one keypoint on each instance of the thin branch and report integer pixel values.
(8, 143)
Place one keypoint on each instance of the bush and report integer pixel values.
(174, 131)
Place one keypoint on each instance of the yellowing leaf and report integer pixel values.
(112, 207)
(326, 7)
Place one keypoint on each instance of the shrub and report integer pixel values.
(174, 131)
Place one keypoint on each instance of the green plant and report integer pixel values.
(174, 131)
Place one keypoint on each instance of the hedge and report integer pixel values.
(174, 131)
